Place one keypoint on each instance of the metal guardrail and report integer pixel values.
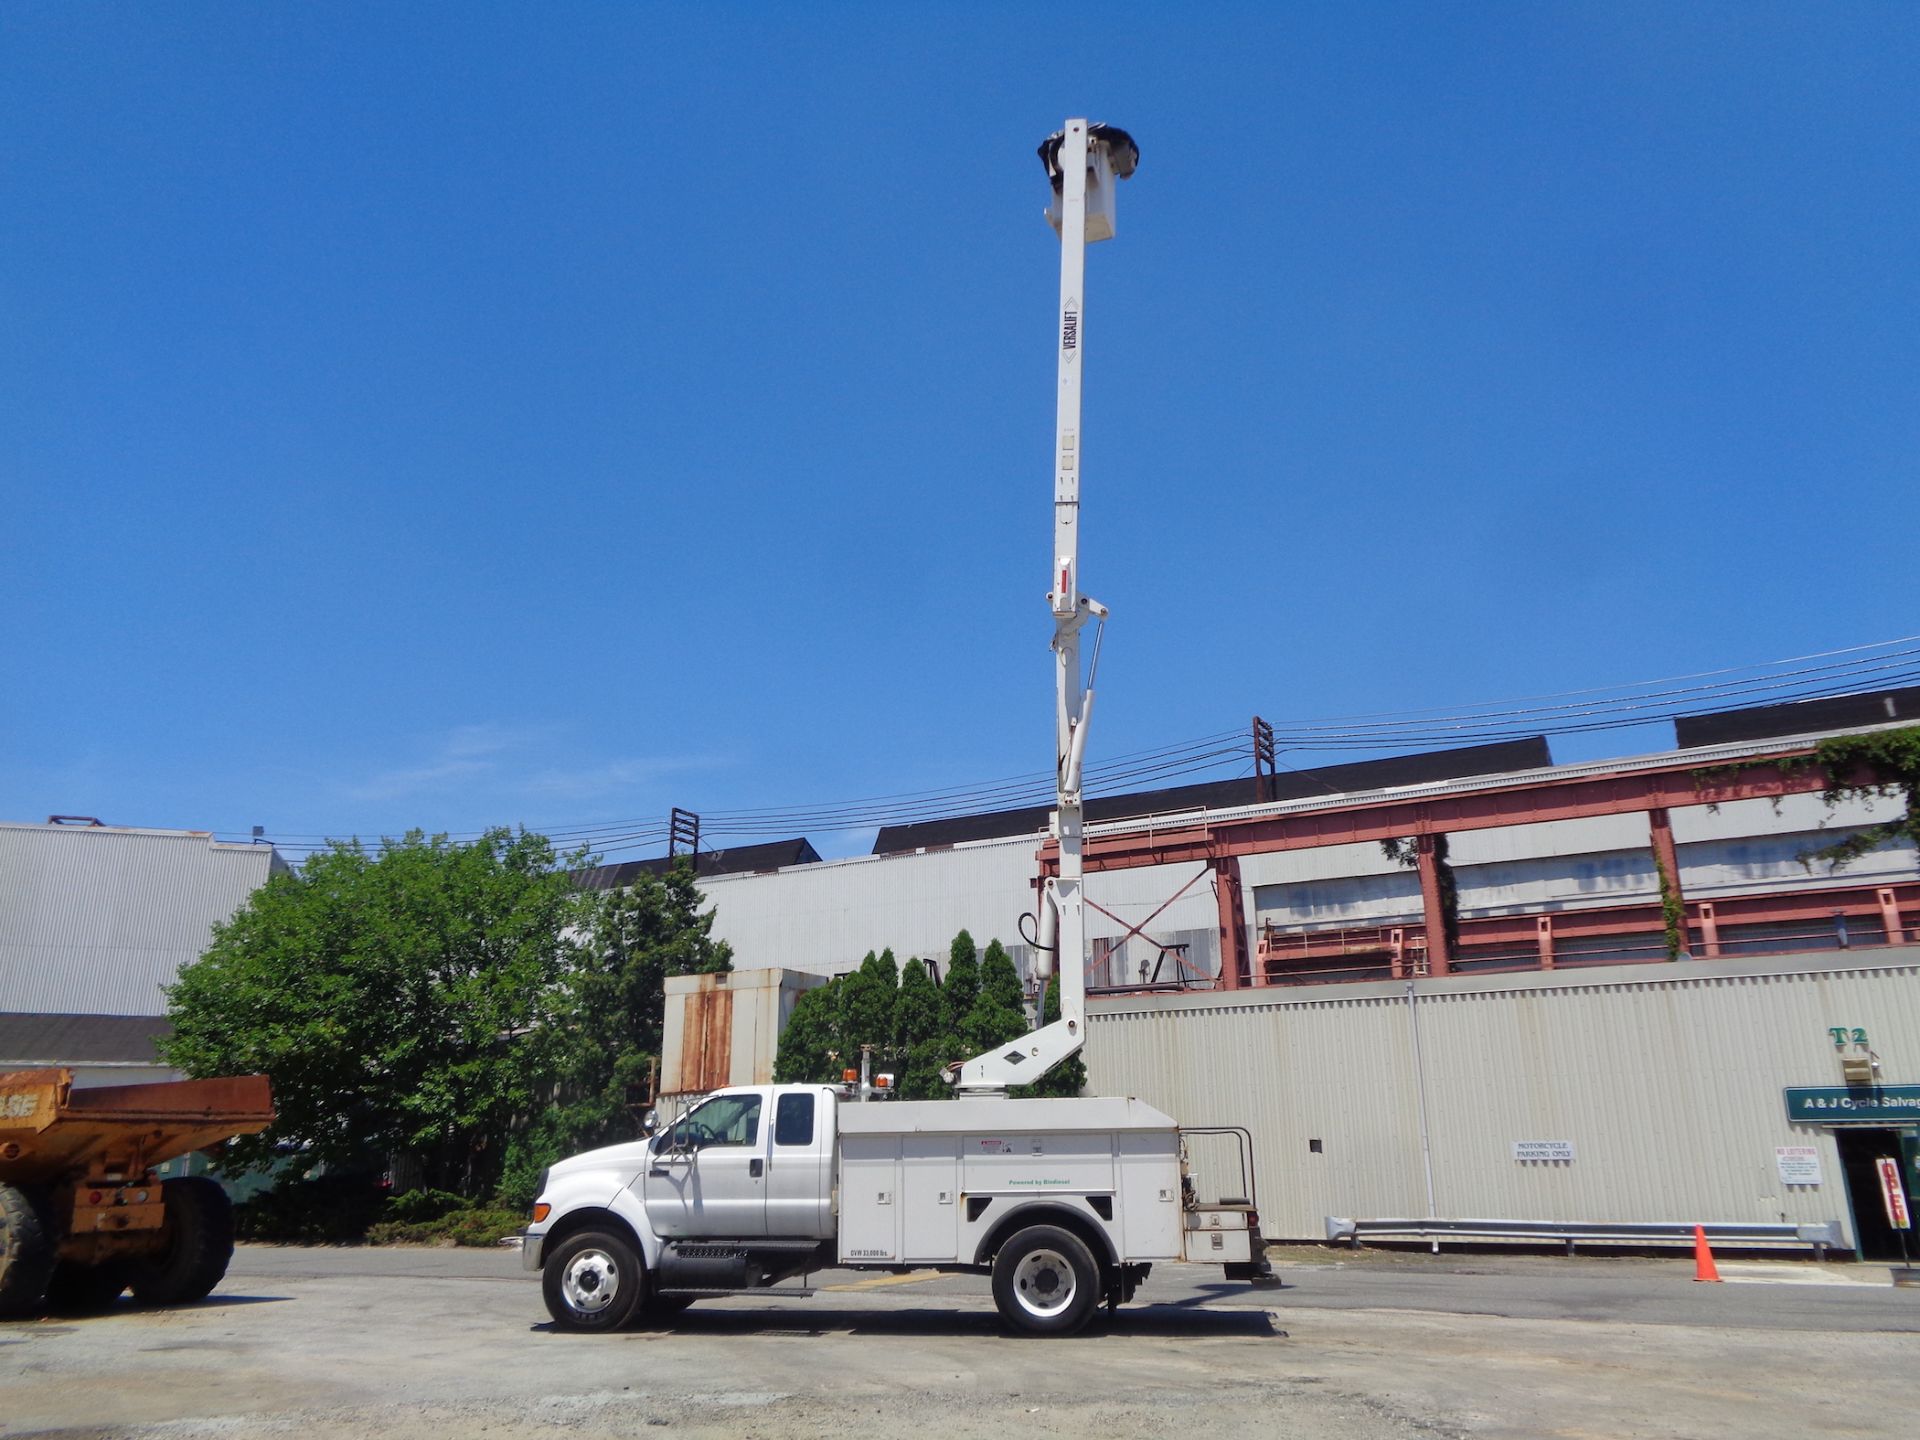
(1820, 1237)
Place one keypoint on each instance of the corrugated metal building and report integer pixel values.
(94, 920)
(1567, 1016)
(1664, 1082)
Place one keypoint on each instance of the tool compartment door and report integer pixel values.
(1218, 1237)
(1150, 1210)
(869, 1198)
(929, 1182)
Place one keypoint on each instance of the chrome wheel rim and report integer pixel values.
(591, 1282)
(1044, 1283)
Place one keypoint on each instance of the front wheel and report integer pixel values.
(1045, 1281)
(26, 1253)
(593, 1281)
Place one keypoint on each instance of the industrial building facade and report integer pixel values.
(94, 921)
(1553, 866)
(1557, 993)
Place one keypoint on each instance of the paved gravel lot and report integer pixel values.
(407, 1343)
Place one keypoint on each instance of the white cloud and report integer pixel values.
(607, 778)
(394, 784)
(519, 764)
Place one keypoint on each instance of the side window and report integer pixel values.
(724, 1120)
(793, 1120)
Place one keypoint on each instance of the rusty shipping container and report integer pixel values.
(725, 1029)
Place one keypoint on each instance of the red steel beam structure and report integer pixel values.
(1219, 840)
(1214, 838)
(1233, 930)
(1427, 856)
(1756, 924)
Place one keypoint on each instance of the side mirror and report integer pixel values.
(650, 1122)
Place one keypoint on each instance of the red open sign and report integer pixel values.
(1892, 1193)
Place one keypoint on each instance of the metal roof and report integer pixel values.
(1336, 780)
(1798, 717)
(95, 919)
(733, 860)
(31, 1040)
(1702, 757)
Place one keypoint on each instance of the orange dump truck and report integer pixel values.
(82, 1216)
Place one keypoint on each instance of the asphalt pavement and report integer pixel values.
(1776, 1294)
(430, 1344)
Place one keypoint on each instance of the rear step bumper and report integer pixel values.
(1257, 1272)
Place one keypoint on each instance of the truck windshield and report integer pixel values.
(723, 1120)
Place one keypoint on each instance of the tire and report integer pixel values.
(26, 1254)
(85, 1289)
(593, 1281)
(199, 1239)
(1045, 1281)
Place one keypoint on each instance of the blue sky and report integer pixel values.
(444, 417)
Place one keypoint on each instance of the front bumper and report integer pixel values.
(531, 1248)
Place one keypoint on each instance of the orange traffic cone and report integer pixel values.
(1703, 1266)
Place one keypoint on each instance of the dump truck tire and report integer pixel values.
(199, 1244)
(26, 1254)
(1045, 1281)
(85, 1289)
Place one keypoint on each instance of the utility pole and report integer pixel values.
(683, 829)
(1263, 758)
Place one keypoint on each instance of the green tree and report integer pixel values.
(810, 1044)
(867, 1005)
(921, 1035)
(615, 1009)
(999, 1012)
(962, 982)
(403, 1001)
(958, 991)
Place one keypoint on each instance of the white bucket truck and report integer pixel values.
(1065, 1202)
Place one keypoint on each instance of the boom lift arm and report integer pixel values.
(1085, 163)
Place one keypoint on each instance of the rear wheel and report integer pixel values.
(593, 1281)
(1045, 1281)
(199, 1244)
(84, 1289)
(26, 1253)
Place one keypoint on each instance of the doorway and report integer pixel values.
(1860, 1147)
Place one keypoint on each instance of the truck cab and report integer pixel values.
(745, 1164)
(734, 1195)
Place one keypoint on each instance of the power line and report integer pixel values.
(1884, 664)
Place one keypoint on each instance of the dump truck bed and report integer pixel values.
(50, 1129)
